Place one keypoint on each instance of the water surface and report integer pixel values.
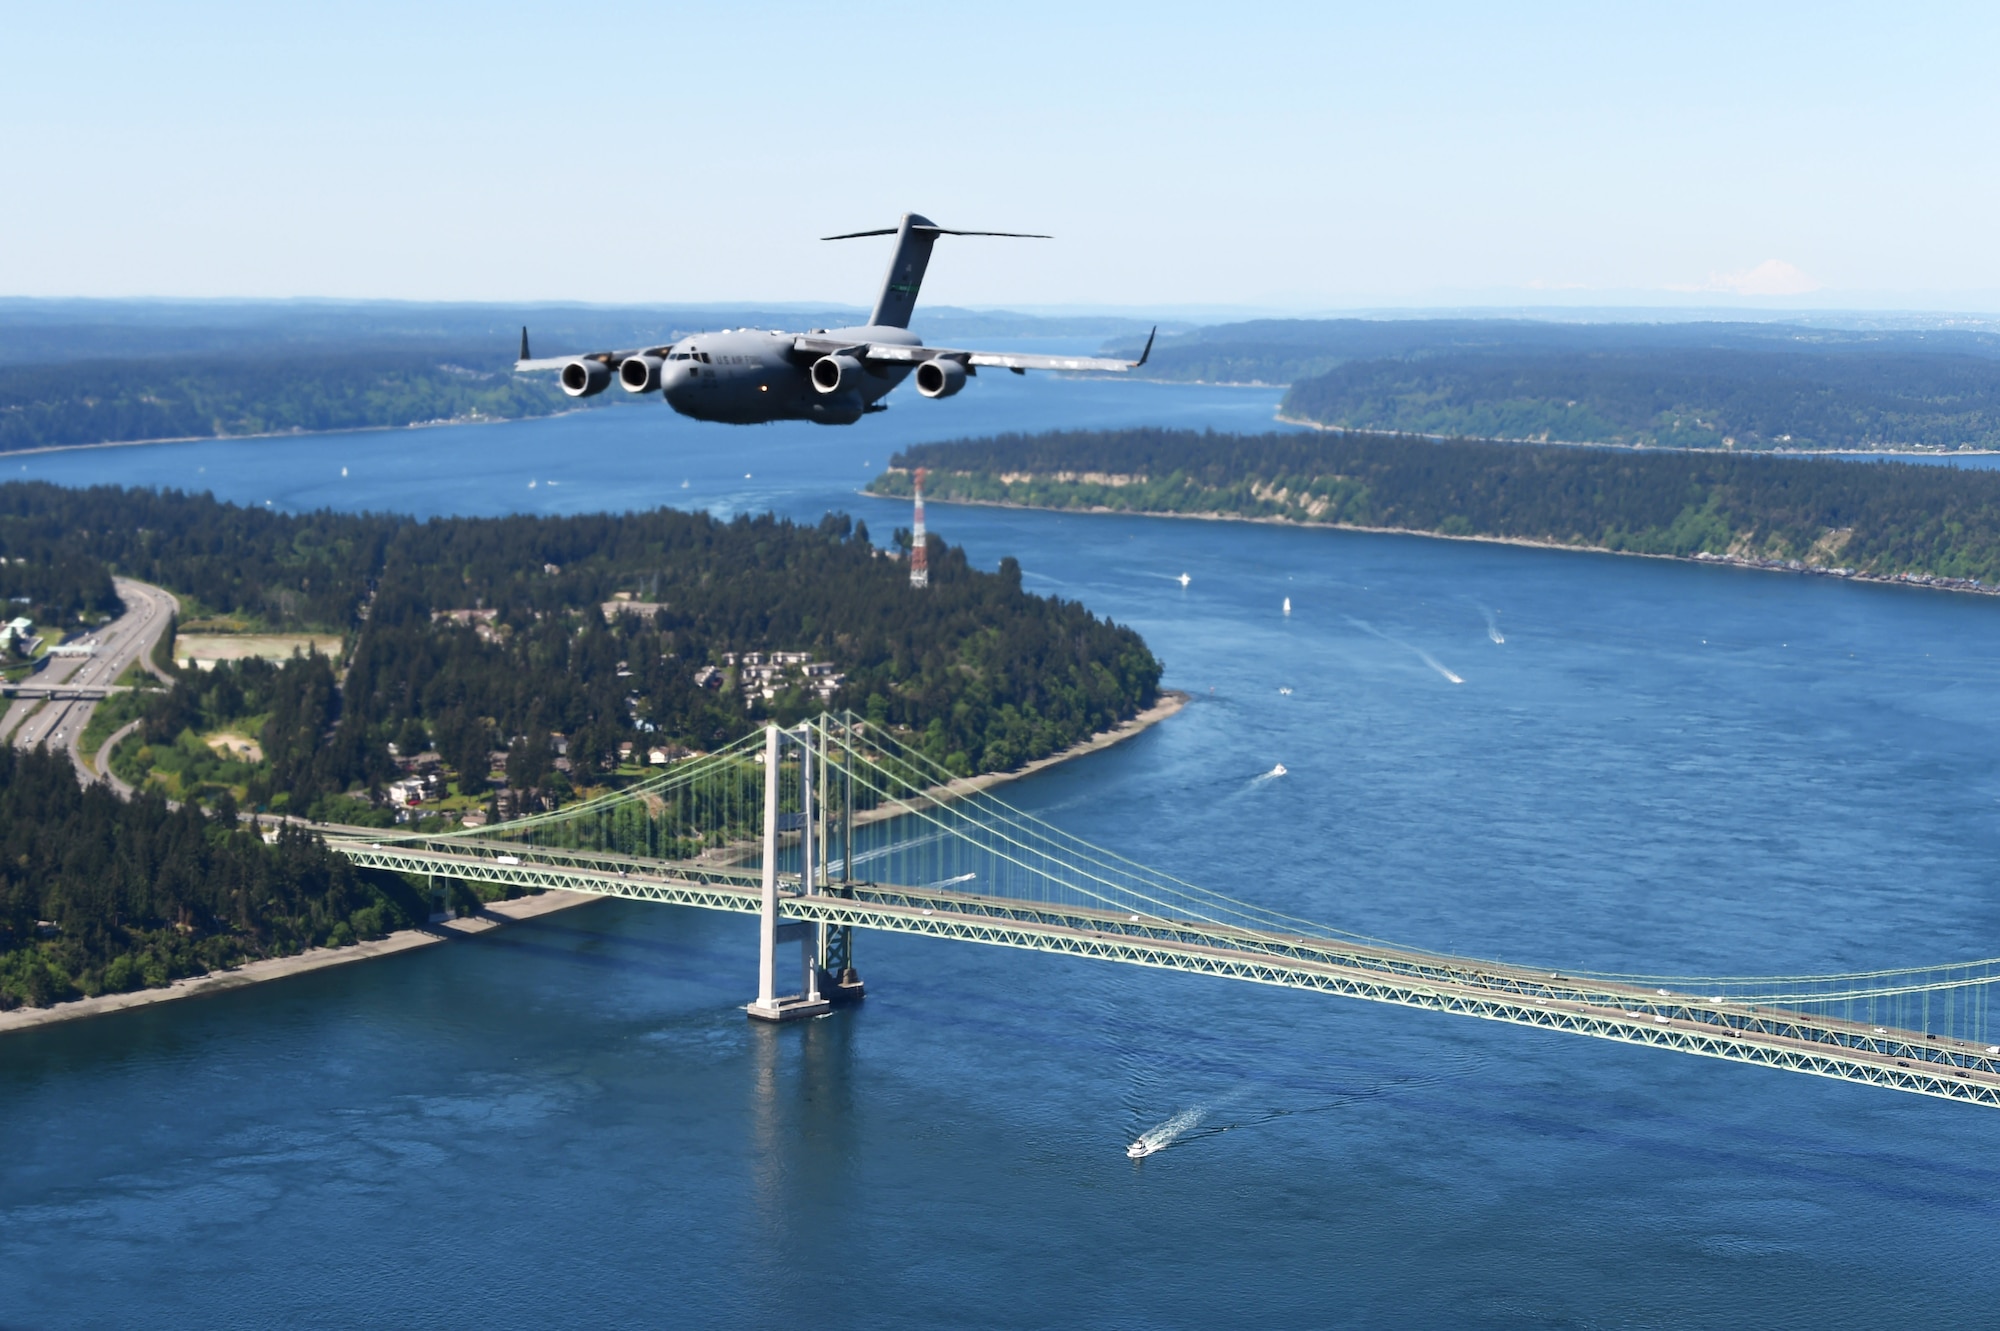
(1658, 766)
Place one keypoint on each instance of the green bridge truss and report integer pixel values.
(873, 801)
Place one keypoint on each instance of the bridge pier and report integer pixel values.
(771, 931)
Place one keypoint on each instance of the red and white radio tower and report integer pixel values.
(920, 572)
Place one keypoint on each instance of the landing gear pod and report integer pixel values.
(585, 378)
(940, 377)
(639, 374)
(830, 374)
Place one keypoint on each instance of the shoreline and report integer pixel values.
(1888, 450)
(1170, 702)
(1929, 582)
(500, 913)
(290, 434)
(493, 916)
(1885, 450)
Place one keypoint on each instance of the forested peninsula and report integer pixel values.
(1879, 520)
(486, 668)
(473, 637)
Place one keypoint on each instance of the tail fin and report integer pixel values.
(914, 239)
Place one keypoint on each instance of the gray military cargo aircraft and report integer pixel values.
(835, 376)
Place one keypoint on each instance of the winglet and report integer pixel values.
(524, 343)
(1135, 364)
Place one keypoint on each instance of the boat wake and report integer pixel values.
(1271, 775)
(1421, 654)
(1493, 626)
(1161, 1136)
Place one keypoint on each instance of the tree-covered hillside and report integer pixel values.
(1881, 519)
(1680, 398)
(981, 673)
(1283, 351)
(92, 402)
(100, 895)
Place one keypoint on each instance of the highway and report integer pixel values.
(130, 637)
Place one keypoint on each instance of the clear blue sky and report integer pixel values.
(1309, 156)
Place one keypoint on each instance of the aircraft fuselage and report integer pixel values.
(749, 376)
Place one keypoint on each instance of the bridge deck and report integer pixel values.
(1794, 1040)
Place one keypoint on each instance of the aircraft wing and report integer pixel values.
(611, 358)
(1017, 361)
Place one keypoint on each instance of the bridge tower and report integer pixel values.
(826, 970)
(920, 571)
(835, 804)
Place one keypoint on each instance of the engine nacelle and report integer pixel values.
(585, 378)
(940, 378)
(639, 374)
(831, 374)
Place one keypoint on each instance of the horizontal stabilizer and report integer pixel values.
(937, 231)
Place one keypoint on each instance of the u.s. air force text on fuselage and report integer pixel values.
(835, 376)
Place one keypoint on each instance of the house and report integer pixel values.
(625, 605)
(413, 790)
(657, 757)
(708, 677)
(18, 635)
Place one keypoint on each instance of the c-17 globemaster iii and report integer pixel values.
(748, 376)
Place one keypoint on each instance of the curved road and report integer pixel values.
(126, 639)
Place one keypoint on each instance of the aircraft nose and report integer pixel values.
(675, 378)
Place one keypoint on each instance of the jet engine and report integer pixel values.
(639, 374)
(585, 378)
(830, 374)
(940, 378)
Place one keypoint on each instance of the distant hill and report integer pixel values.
(1839, 398)
(1685, 385)
(1283, 351)
(89, 372)
(1880, 520)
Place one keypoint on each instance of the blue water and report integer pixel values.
(1662, 767)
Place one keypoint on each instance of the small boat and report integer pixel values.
(1288, 605)
(1140, 1149)
(1185, 579)
(1279, 770)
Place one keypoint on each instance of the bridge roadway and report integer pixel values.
(1792, 1040)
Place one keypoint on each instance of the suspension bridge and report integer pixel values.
(835, 826)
